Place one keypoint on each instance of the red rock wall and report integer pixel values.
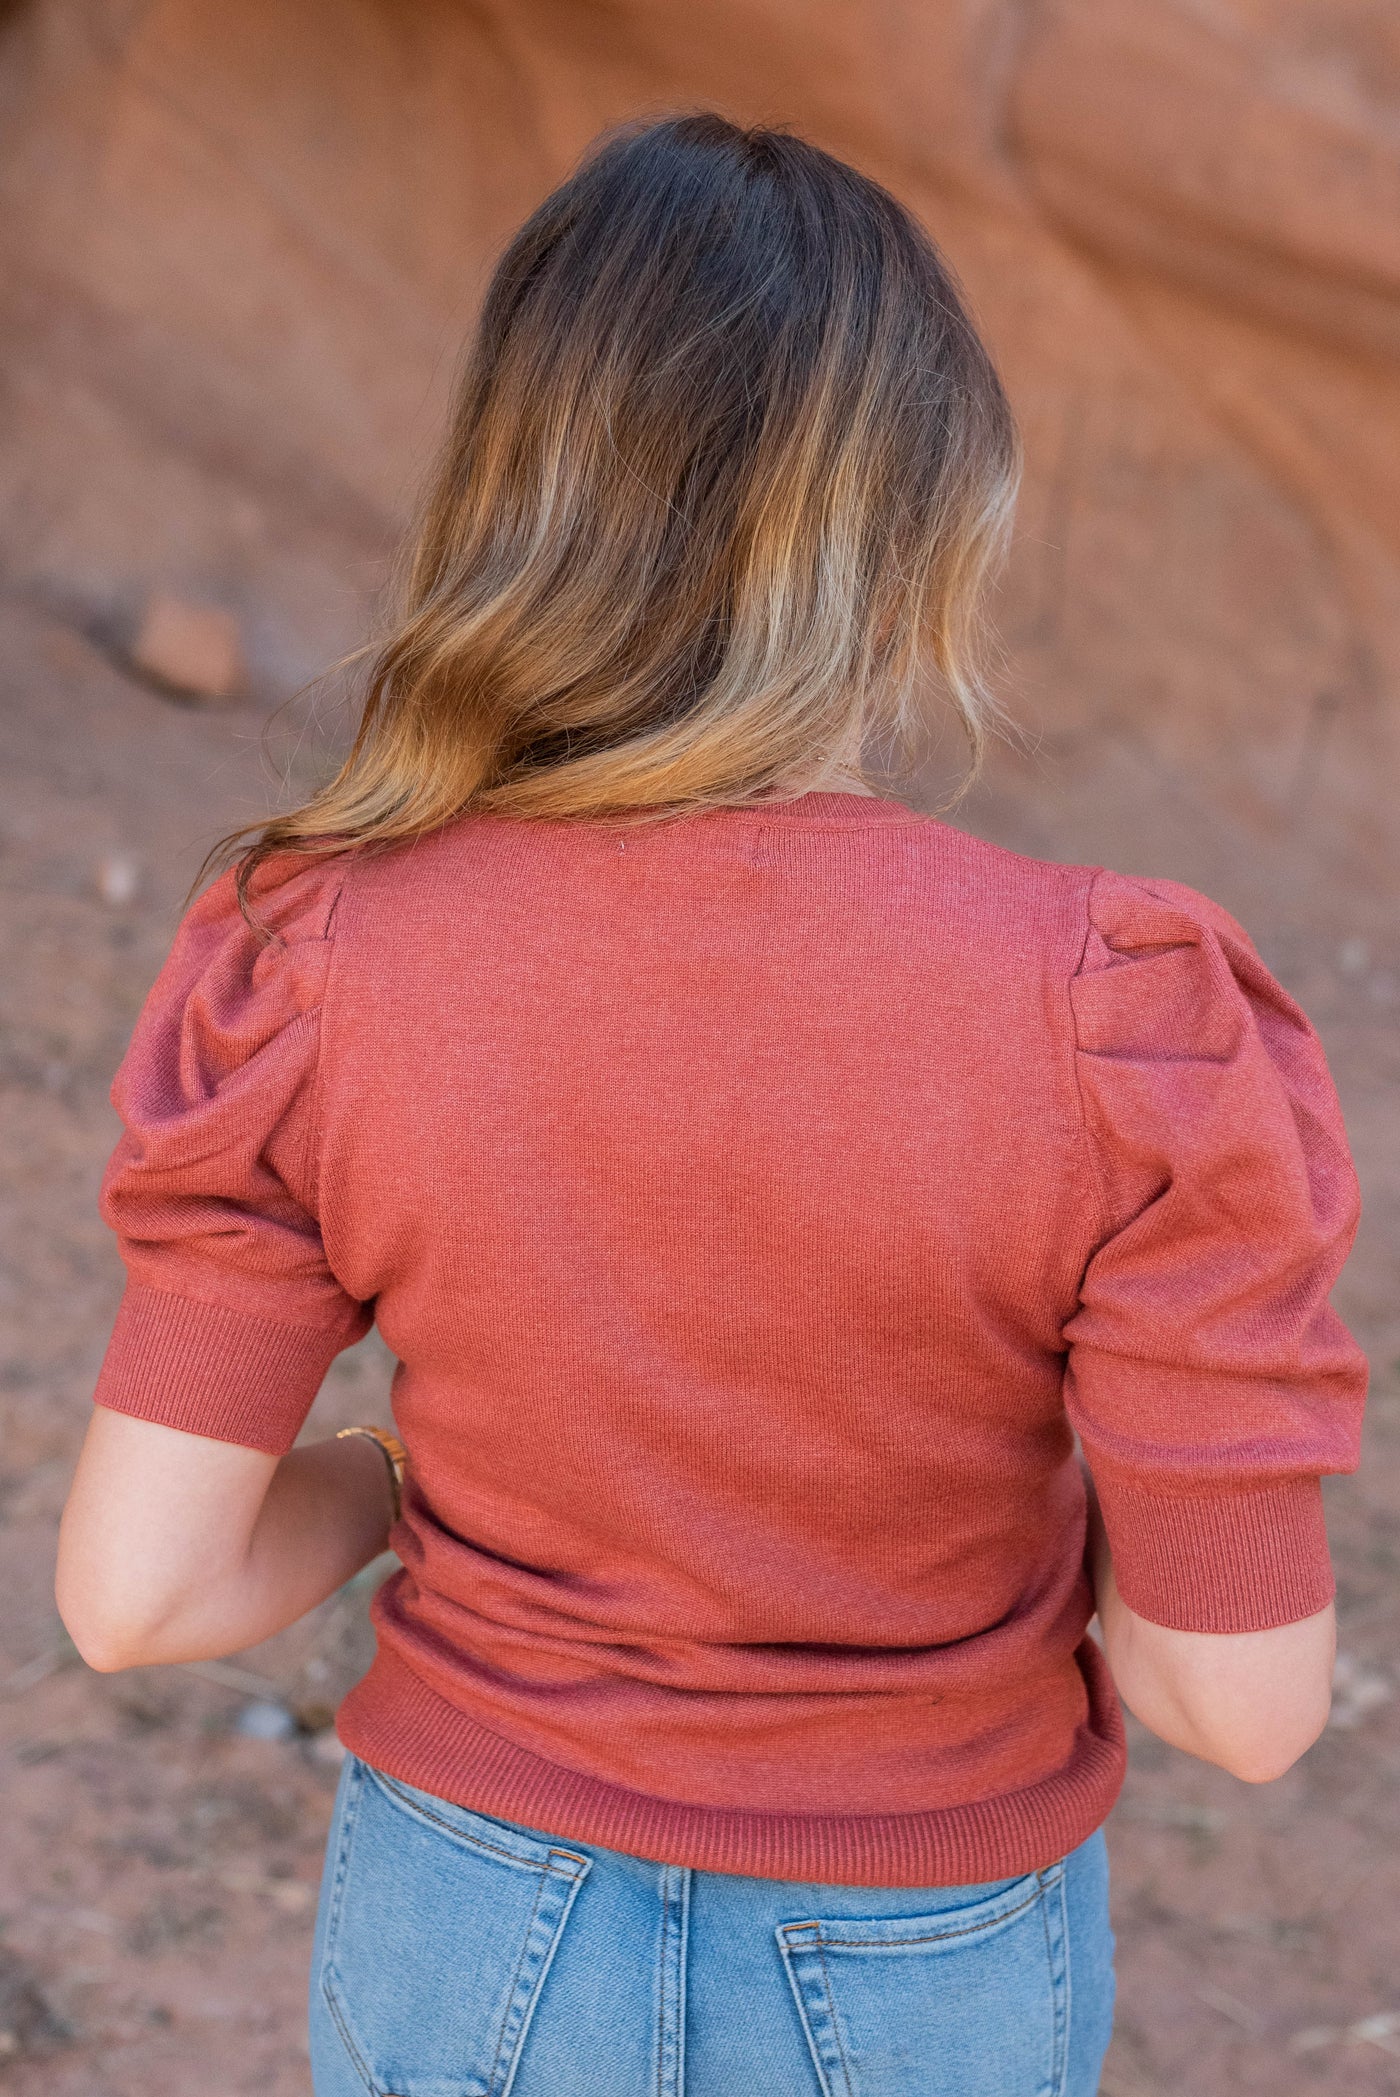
(241, 244)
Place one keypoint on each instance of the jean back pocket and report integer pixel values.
(969, 2002)
(440, 1928)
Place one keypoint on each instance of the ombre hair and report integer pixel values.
(727, 471)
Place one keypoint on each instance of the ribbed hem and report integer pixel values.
(395, 1722)
(1240, 1561)
(213, 1371)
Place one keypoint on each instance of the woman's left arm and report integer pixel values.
(176, 1547)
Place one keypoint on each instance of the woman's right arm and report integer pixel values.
(1210, 1382)
(1250, 1701)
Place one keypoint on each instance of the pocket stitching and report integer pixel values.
(496, 1849)
(328, 1995)
(933, 1937)
(831, 2013)
(797, 1939)
(347, 2041)
(801, 1984)
(665, 1946)
(554, 1866)
(525, 1942)
(1059, 1992)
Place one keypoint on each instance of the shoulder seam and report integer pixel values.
(328, 930)
(312, 1161)
(1091, 1151)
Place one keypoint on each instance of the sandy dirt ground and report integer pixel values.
(162, 1831)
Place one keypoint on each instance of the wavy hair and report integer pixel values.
(727, 470)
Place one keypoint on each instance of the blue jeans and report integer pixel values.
(460, 1956)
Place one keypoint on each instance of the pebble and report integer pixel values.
(191, 649)
(118, 878)
(259, 1721)
(1357, 1691)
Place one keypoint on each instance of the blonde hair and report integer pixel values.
(727, 471)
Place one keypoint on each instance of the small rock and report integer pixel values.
(1357, 1691)
(291, 1896)
(28, 2023)
(118, 878)
(1371, 2030)
(192, 649)
(261, 1721)
(313, 1715)
(1367, 2031)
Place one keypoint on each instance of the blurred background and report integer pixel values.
(239, 247)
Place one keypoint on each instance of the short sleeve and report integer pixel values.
(1209, 1379)
(231, 1314)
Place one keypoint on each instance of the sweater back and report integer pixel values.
(756, 1204)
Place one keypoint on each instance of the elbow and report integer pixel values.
(1261, 1767)
(104, 1653)
(1267, 1764)
(108, 1638)
(1251, 1702)
(107, 1647)
(1265, 1760)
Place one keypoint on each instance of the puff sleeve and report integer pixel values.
(1209, 1380)
(231, 1314)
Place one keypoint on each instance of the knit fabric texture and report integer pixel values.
(758, 1203)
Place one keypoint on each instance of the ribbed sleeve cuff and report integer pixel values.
(213, 1371)
(1236, 1561)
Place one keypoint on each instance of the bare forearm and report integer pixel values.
(324, 1514)
(1149, 1690)
(1249, 1701)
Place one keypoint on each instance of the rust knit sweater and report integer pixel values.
(756, 1203)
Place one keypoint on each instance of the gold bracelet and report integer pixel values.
(395, 1456)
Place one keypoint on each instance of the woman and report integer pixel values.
(760, 1185)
